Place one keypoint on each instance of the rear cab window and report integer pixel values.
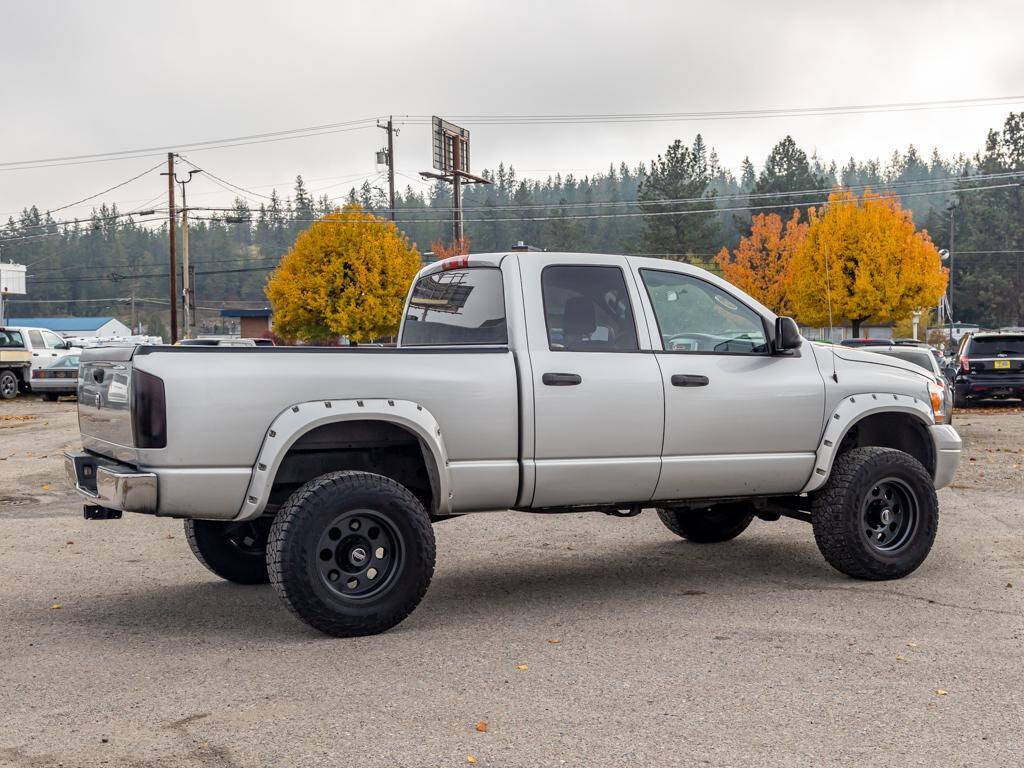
(11, 340)
(456, 307)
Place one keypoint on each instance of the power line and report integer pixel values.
(737, 114)
(254, 138)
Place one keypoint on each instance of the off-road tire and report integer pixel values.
(959, 401)
(296, 560)
(837, 509)
(721, 522)
(234, 551)
(8, 385)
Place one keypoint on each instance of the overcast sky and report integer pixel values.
(105, 76)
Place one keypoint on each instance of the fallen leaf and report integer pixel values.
(900, 658)
(481, 726)
(556, 642)
(1009, 585)
(522, 667)
(470, 759)
(941, 691)
(56, 607)
(911, 645)
(46, 487)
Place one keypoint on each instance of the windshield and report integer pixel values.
(997, 345)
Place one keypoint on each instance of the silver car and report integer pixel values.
(57, 378)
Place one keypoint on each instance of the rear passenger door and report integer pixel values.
(598, 400)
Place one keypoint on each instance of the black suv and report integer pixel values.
(989, 365)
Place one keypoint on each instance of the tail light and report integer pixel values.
(965, 364)
(455, 262)
(149, 411)
(38, 374)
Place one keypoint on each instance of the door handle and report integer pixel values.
(561, 379)
(689, 380)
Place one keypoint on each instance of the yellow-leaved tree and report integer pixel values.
(865, 258)
(347, 275)
(760, 264)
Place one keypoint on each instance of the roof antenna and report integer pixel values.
(828, 297)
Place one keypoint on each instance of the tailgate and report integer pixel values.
(104, 394)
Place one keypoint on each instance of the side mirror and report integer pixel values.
(787, 334)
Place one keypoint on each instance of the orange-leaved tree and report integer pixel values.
(760, 264)
(865, 260)
(347, 275)
(459, 247)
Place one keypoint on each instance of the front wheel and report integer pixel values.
(877, 516)
(234, 551)
(720, 522)
(351, 553)
(8, 385)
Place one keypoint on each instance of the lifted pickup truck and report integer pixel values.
(541, 382)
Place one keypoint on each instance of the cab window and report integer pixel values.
(52, 340)
(696, 316)
(37, 339)
(587, 309)
(456, 307)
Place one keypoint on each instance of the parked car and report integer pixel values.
(991, 365)
(542, 382)
(58, 378)
(923, 357)
(15, 363)
(45, 346)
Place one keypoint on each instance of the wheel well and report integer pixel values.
(892, 430)
(365, 445)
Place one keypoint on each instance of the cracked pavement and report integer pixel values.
(639, 648)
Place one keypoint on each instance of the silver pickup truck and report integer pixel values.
(542, 382)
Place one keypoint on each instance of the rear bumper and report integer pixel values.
(948, 448)
(109, 484)
(1007, 385)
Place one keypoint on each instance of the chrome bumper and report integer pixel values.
(108, 484)
(948, 447)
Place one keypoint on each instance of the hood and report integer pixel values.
(854, 355)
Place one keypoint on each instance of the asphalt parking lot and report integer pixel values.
(580, 640)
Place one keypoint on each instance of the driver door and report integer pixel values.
(738, 419)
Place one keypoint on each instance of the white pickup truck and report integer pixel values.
(542, 382)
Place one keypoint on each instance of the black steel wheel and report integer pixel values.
(710, 525)
(8, 385)
(234, 551)
(877, 516)
(351, 553)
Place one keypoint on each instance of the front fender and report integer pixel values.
(296, 420)
(852, 409)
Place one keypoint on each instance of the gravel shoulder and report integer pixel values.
(638, 648)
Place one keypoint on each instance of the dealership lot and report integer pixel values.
(577, 639)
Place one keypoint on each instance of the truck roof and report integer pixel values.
(568, 257)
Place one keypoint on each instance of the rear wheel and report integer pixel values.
(351, 553)
(8, 385)
(234, 551)
(50, 397)
(877, 516)
(720, 522)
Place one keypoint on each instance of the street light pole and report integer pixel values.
(952, 265)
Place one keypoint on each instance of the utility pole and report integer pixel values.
(186, 272)
(389, 155)
(171, 232)
(456, 193)
(952, 265)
